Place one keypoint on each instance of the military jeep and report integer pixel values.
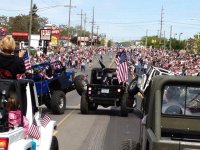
(171, 115)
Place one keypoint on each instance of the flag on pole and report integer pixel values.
(34, 131)
(122, 67)
(27, 62)
(45, 119)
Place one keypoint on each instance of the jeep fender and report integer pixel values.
(46, 134)
(44, 143)
(16, 139)
(22, 144)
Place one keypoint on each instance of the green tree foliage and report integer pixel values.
(110, 43)
(176, 44)
(197, 43)
(21, 23)
(152, 41)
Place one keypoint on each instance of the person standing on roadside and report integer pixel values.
(10, 64)
(83, 63)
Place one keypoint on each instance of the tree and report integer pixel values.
(176, 44)
(20, 23)
(151, 41)
(110, 43)
(197, 43)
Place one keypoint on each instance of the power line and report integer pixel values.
(128, 22)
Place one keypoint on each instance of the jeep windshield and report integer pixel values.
(181, 100)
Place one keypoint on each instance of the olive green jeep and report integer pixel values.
(171, 117)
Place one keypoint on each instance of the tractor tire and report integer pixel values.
(54, 143)
(133, 88)
(80, 84)
(124, 110)
(129, 145)
(84, 104)
(58, 102)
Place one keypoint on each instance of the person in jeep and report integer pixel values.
(173, 101)
(10, 65)
(14, 115)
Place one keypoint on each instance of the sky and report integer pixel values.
(120, 20)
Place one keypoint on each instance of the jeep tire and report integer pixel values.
(80, 84)
(84, 104)
(132, 87)
(58, 102)
(54, 143)
(124, 110)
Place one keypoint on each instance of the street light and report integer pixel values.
(175, 35)
(180, 36)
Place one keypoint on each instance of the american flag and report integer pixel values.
(27, 61)
(45, 119)
(34, 131)
(122, 67)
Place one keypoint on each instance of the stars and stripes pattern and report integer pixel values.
(34, 131)
(122, 67)
(45, 119)
(27, 62)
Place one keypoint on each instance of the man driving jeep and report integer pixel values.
(171, 103)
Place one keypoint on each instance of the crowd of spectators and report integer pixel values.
(77, 58)
(181, 63)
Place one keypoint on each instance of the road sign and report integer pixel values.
(45, 34)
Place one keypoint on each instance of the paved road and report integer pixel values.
(104, 129)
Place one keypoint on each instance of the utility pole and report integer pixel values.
(161, 24)
(158, 32)
(170, 40)
(97, 33)
(81, 14)
(146, 38)
(84, 28)
(97, 30)
(164, 40)
(92, 26)
(30, 26)
(68, 33)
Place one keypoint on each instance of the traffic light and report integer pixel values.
(47, 43)
(40, 42)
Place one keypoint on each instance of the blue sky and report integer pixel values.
(120, 20)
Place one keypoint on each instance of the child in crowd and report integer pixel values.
(14, 115)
